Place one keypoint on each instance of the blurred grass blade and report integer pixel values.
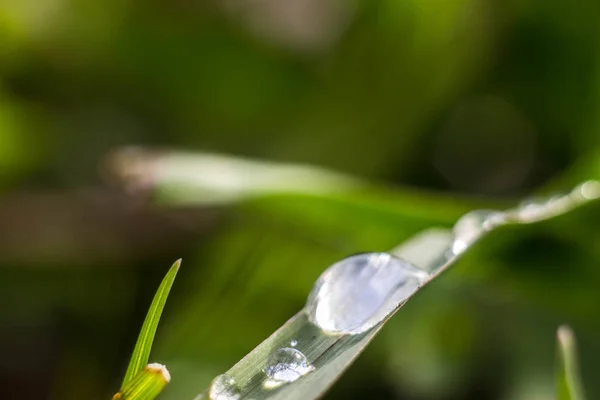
(141, 352)
(146, 384)
(205, 178)
(568, 382)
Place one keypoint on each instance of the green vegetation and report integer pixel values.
(435, 108)
(146, 384)
(141, 352)
(568, 382)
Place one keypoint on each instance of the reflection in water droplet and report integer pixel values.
(293, 343)
(358, 292)
(287, 365)
(224, 387)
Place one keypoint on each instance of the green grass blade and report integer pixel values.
(568, 382)
(141, 352)
(329, 355)
(146, 384)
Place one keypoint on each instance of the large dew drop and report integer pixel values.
(224, 387)
(358, 292)
(287, 365)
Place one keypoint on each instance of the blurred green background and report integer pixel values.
(438, 106)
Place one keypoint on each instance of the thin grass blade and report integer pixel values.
(568, 382)
(141, 352)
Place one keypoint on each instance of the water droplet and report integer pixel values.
(590, 190)
(294, 342)
(357, 293)
(287, 365)
(532, 210)
(471, 226)
(224, 387)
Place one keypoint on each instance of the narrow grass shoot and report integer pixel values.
(144, 381)
(568, 382)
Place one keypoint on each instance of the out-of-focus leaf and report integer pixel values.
(141, 352)
(146, 384)
(193, 179)
(568, 382)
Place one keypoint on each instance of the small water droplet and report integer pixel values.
(556, 201)
(224, 387)
(532, 210)
(287, 365)
(294, 342)
(471, 226)
(358, 292)
(590, 190)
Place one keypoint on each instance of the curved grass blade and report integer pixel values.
(146, 384)
(141, 352)
(197, 179)
(568, 382)
(327, 354)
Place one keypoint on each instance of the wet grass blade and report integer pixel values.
(568, 382)
(141, 352)
(146, 384)
(330, 354)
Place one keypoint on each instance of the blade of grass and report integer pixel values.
(141, 352)
(331, 355)
(568, 382)
(146, 384)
